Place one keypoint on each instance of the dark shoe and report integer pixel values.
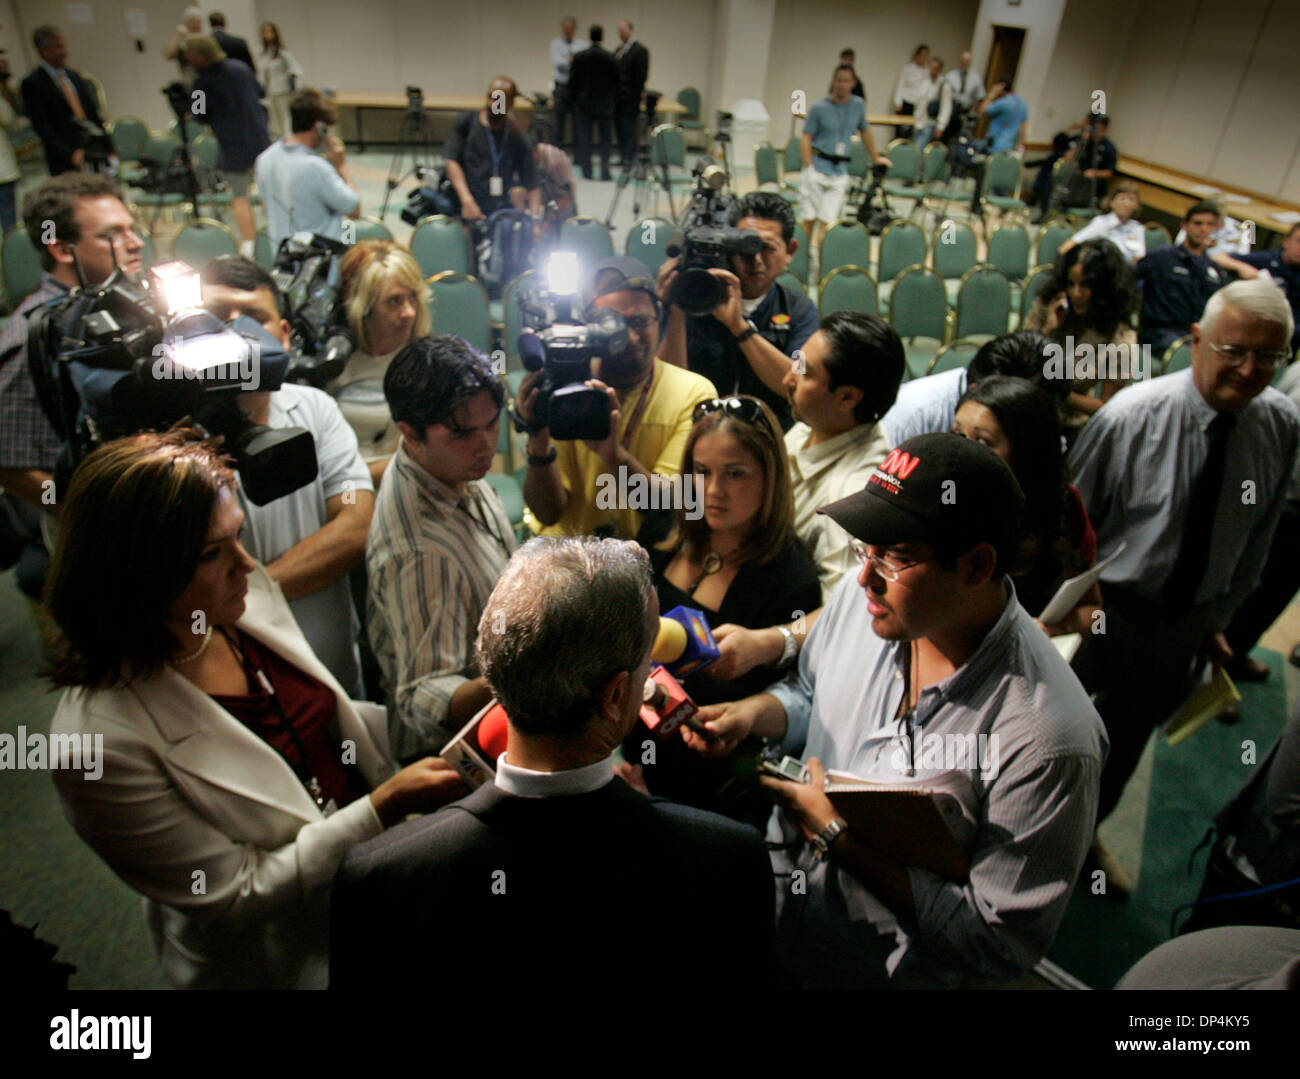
(1230, 716)
(1245, 669)
(606, 177)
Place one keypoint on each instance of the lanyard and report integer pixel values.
(497, 151)
(256, 676)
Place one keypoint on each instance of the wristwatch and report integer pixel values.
(789, 649)
(821, 842)
(749, 331)
(534, 461)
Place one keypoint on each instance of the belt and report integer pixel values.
(834, 158)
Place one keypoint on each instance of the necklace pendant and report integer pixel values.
(712, 562)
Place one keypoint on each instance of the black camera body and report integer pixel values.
(435, 195)
(706, 242)
(566, 352)
(108, 361)
(305, 272)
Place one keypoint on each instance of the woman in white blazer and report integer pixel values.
(235, 770)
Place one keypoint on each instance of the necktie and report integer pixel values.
(74, 102)
(1179, 591)
(963, 84)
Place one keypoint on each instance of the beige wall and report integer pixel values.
(807, 38)
(1207, 88)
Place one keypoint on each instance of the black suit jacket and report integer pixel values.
(563, 887)
(235, 48)
(51, 115)
(594, 80)
(633, 70)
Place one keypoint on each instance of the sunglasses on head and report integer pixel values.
(741, 408)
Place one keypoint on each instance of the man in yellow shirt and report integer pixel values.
(602, 488)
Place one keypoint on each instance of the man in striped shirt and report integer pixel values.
(439, 541)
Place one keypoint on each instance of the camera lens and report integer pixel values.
(696, 291)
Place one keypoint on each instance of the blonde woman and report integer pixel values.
(386, 305)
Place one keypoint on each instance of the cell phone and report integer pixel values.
(787, 768)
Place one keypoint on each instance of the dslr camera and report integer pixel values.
(706, 242)
(566, 348)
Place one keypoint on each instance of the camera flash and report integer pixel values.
(178, 285)
(562, 273)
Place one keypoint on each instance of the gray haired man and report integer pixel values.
(558, 857)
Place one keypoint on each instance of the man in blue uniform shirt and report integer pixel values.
(745, 344)
(1283, 267)
(1177, 280)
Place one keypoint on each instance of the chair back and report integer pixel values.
(440, 243)
(689, 97)
(668, 147)
(1050, 237)
(953, 250)
(1002, 175)
(1009, 251)
(199, 242)
(847, 288)
(918, 304)
(902, 244)
(647, 240)
(958, 354)
(798, 267)
(983, 302)
(21, 263)
(765, 171)
(129, 133)
(1037, 276)
(459, 304)
(369, 228)
(1178, 356)
(588, 238)
(1156, 235)
(904, 158)
(845, 243)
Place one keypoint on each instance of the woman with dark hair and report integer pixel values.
(1018, 422)
(733, 554)
(236, 772)
(281, 75)
(1086, 307)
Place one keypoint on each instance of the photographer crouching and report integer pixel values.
(649, 414)
(743, 342)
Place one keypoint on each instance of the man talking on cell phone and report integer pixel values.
(303, 178)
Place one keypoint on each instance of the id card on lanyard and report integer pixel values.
(496, 184)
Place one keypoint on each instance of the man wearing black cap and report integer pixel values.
(927, 666)
(603, 488)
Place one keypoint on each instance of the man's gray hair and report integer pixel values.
(565, 617)
(1261, 299)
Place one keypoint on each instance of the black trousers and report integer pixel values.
(584, 123)
(1140, 668)
(563, 109)
(625, 119)
(1278, 583)
(906, 109)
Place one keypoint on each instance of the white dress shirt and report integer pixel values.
(527, 783)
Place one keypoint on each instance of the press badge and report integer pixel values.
(495, 187)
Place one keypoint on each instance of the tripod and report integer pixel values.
(641, 175)
(415, 138)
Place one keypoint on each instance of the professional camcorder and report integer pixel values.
(306, 273)
(565, 350)
(122, 357)
(707, 242)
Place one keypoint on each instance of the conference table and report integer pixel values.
(1173, 192)
(361, 102)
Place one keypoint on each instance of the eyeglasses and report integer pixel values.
(1265, 359)
(888, 570)
(741, 408)
(639, 324)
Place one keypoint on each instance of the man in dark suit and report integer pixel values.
(235, 48)
(557, 871)
(593, 88)
(633, 70)
(59, 102)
